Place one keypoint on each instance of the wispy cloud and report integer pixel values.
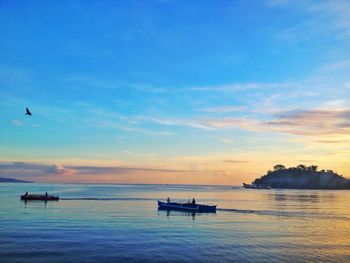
(296, 122)
(222, 123)
(224, 109)
(178, 122)
(228, 141)
(236, 161)
(237, 87)
(307, 161)
(312, 122)
(337, 12)
(334, 16)
(16, 122)
(334, 141)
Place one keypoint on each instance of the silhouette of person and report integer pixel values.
(193, 201)
(168, 200)
(46, 194)
(26, 193)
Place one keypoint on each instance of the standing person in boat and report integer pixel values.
(46, 194)
(168, 200)
(26, 193)
(193, 201)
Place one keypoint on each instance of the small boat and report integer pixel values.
(39, 197)
(189, 207)
(257, 186)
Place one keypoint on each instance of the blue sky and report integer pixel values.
(222, 90)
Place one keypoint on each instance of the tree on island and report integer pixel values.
(279, 167)
(303, 177)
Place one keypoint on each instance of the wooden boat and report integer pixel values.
(189, 207)
(39, 197)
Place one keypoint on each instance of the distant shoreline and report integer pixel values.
(12, 180)
(87, 183)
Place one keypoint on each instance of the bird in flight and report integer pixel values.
(28, 112)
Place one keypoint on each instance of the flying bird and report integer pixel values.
(28, 112)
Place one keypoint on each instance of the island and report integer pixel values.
(303, 177)
(11, 180)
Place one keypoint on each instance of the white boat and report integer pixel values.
(257, 186)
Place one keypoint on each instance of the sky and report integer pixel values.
(173, 92)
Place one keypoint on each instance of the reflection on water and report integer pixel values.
(35, 201)
(122, 223)
(44, 202)
(176, 213)
(313, 198)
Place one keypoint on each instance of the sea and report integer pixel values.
(121, 223)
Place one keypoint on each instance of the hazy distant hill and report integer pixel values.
(11, 180)
(303, 177)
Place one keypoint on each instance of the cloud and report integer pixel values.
(120, 169)
(312, 122)
(145, 131)
(296, 122)
(337, 12)
(228, 141)
(237, 87)
(331, 141)
(60, 173)
(59, 169)
(22, 169)
(34, 169)
(236, 161)
(16, 123)
(222, 123)
(224, 109)
(321, 126)
(335, 66)
(179, 122)
(334, 16)
(307, 161)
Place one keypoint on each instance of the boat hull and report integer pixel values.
(187, 207)
(40, 197)
(257, 186)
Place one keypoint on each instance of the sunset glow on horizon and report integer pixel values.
(172, 92)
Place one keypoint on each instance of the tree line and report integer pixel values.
(301, 167)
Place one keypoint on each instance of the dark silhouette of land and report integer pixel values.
(11, 180)
(303, 177)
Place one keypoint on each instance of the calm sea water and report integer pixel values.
(121, 223)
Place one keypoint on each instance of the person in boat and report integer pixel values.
(193, 201)
(168, 200)
(26, 193)
(46, 194)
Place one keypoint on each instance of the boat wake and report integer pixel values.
(258, 212)
(107, 199)
(236, 210)
(296, 214)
